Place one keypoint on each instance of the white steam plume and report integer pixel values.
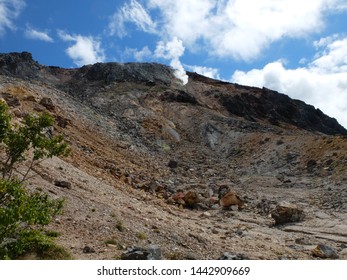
(173, 50)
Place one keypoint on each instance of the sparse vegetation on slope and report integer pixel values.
(23, 214)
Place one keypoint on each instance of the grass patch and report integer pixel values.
(52, 233)
(141, 236)
(119, 225)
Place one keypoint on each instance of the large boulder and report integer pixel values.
(191, 198)
(231, 199)
(324, 252)
(286, 212)
(151, 253)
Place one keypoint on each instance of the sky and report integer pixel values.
(296, 47)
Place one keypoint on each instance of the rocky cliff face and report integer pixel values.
(153, 160)
(251, 104)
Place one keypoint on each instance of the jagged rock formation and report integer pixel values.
(152, 159)
(252, 104)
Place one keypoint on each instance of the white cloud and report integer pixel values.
(139, 55)
(173, 50)
(9, 11)
(205, 71)
(85, 50)
(333, 59)
(132, 12)
(31, 33)
(240, 29)
(321, 83)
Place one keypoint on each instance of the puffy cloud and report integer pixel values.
(132, 12)
(139, 55)
(31, 33)
(205, 71)
(173, 50)
(321, 83)
(85, 50)
(333, 58)
(9, 11)
(186, 20)
(241, 29)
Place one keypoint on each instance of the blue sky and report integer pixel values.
(293, 46)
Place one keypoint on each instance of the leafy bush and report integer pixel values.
(23, 214)
(29, 139)
(22, 217)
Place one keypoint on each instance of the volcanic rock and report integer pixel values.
(230, 199)
(287, 213)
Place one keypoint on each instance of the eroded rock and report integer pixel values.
(151, 253)
(286, 212)
(231, 199)
(324, 252)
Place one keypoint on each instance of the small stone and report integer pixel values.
(206, 214)
(47, 103)
(62, 184)
(170, 200)
(233, 256)
(63, 122)
(213, 200)
(11, 100)
(172, 164)
(191, 256)
(344, 252)
(302, 241)
(18, 113)
(215, 231)
(324, 252)
(88, 250)
(181, 202)
(311, 164)
(178, 195)
(30, 98)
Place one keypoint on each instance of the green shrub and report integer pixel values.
(23, 215)
(31, 135)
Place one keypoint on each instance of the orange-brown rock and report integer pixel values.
(191, 198)
(230, 199)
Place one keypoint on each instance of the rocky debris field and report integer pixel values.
(210, 170)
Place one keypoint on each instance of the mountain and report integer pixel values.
(152, 158)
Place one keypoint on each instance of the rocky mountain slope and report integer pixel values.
(152, 161)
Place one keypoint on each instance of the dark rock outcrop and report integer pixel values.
(19, 65)
(148, 73)
(279, 108)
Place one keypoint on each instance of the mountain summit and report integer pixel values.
(250, 103)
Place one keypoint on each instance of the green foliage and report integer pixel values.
(141, 235)
(22, 217)
(33, 244)
(24, 214)
(31, 135)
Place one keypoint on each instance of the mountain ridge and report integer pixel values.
(249, 102)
